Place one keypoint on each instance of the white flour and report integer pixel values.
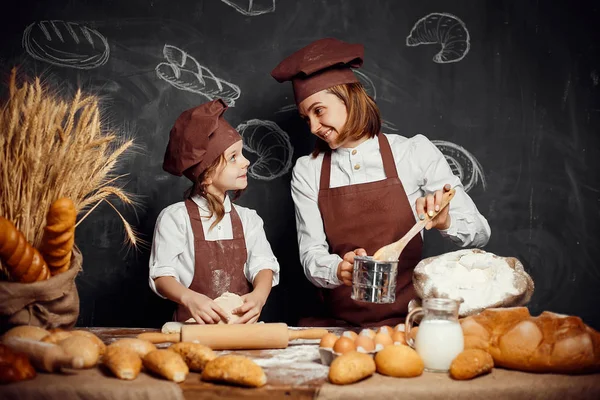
(480, 279)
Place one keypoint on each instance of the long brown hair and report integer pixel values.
(215, 205)
(364, 117)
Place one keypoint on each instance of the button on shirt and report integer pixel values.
(172, 251)
(422, 169)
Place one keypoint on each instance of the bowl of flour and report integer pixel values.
(481, 279)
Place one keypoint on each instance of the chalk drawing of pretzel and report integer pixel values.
(252, 8)
(185, 73)
(463, 164)
(267, 141)
(444, 29)
(66, 44)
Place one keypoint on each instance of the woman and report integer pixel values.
(361, 189)
(205, 246)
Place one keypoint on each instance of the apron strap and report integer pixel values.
(236, 224)
(194, 213)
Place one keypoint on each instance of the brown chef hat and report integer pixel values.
(320, 65)
(200, 135)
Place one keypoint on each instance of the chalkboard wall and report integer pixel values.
(512, 101)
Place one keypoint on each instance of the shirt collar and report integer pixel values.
(203, 204)
(367, 145)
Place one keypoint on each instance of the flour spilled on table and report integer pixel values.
(300, 360)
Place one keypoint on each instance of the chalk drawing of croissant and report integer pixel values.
(463, 164)
(252, 8)
(270, 144)
(185, 73)
(66, 44)
(444, 29)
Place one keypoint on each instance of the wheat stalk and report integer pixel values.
(49, 149)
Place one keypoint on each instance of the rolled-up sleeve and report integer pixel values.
(320, 267)
(168, 244)
(467, 226)
(260, 254)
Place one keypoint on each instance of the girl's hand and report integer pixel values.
(250, 310)
(429, 205)
(346, 266)
(203, 309)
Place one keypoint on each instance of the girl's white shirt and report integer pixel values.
(172, 251)
(422, 169)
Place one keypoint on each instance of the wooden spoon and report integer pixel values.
(391, 252)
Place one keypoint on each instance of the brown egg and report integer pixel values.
(385, 329)
(367, 332)
(398, 337)
(350, 334)
(328, 340)
(344, 345)
(383, 339)
(364, 344)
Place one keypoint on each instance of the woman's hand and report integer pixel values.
(203, 309)
(251, 309)
(429, 205)
(346, 266)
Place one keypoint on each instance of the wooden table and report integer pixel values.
(297, 373)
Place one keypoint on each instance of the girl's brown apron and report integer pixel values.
(368, 215)
(219, 264)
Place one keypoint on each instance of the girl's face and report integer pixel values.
(231, 175)
(326, 116)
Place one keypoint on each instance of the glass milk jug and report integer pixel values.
(439, 338)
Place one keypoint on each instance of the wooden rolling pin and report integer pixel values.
(236, 337)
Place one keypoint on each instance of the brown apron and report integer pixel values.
(368, 215)
(219, 264)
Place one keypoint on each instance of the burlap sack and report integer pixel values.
(523, 283)
(53, 303)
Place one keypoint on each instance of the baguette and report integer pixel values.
(59, 235)
(23, 262)
(548, 343)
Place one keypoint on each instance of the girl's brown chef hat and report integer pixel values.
(200, 135)
(320, 65)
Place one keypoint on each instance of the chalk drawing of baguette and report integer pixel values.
(444, 29)
(183, 71)
(66, 44)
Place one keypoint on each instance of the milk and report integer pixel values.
(438, 342)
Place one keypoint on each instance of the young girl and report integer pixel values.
(361, 189)
(205, 246)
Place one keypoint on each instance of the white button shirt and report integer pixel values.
(172, 251)
(422, 169)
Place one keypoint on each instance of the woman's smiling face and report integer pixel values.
(326, 115)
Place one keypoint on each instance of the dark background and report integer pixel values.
(524, 101)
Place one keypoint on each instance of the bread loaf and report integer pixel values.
(399, 361)
(167, 364)
(547, 343)
(123, 362)
(471, 363)
(22, 261)
(236, 370)
(59, 235)
(14, 366)
(195, 355)
(351, 367)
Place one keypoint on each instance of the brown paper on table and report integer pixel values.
(91, 384)
(499, 384)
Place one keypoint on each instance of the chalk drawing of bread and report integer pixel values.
(444, 29)
(270, 144)
(462, 163)
(185, 73)
(66, 44)
(252, 8)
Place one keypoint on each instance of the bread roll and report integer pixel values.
(547, 343)
(167, 364)
(81, 346)
(93, 337)
(351, 367)
(399, 361)
(195, 355)
(123, 362)
(14, 366)
(234, 369)
(26, 332)
(471, 363)
(140, 346)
